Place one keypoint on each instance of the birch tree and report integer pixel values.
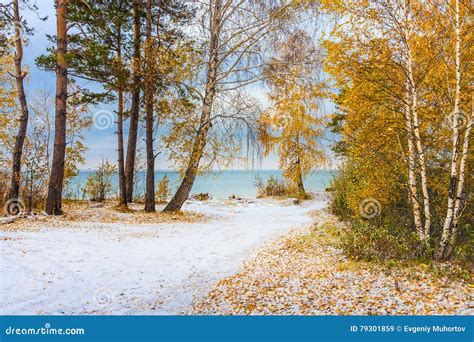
(234, 32)
(407, 62)
(292, 125)
(11, 12)
(414, 130)
(459, 152)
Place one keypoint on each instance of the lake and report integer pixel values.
(220, 184)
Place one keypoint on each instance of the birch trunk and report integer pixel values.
(462, 170)
(447, 233)
(421, 156)
(200, 140)
(411, 120)
(413, 191)
(418, 143)
(19, 76)
(299, 180)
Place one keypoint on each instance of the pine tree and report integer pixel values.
(98, 51)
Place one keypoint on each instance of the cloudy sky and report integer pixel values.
(101, 143)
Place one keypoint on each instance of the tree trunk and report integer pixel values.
(150, 158)
(413, 191)
(120, 160)
(462, 177)
(420, 154)
(135, 107)
(30, 198)
(191, 171)
(448, 233)
(412, 182)
(299, 173)
(205, 123)
(55, 187)
(299, 178)
(424, 231)
(20, 137)
(121, 167)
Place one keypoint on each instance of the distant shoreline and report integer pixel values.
(220, 184)
(224, 170)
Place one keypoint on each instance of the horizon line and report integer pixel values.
(217, 170)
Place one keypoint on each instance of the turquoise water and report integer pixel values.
(219, 184)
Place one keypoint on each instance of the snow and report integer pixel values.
(100, 268)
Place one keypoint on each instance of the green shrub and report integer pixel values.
(464, 249)
(364, 241)
(338, 204)
(163, 192)
(272, 188)
(99, 185)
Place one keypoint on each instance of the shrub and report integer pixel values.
(338, 205)
(202, 196)
(363, 241)
(99, 186)
(273, 187)
(163, 192)
(294, 192)
(464, 249)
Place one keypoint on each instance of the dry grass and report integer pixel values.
(81, 211)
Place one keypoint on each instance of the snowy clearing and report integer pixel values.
(112, 268)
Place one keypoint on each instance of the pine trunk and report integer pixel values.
(135, 107)
(120, 160)
(121, 167)
(55, 187)
(20, 137)
(150, 158)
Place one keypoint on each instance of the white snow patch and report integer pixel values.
(98, 268)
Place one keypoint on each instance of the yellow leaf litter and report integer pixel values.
(303, 273)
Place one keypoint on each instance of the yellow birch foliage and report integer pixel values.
(291, 126)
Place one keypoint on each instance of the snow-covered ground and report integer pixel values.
(99, 268)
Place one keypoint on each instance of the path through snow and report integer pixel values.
(98, 268)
